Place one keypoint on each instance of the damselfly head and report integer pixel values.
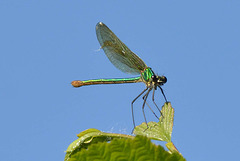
(159, 79)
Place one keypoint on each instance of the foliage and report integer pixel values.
(94, 145)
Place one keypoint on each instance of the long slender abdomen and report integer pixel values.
(79, 83)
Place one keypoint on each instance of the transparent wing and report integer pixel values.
(117, 52)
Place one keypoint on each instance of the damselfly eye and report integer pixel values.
(164, 79)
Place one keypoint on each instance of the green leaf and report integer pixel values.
(125, 149)
(171, 147)
(88, 137)
(159, 131)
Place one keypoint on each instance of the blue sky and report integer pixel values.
(47, 44)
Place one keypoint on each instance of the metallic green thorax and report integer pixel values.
(147, 74)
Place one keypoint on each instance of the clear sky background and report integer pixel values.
(47, 44)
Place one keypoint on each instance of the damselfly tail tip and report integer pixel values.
(77, 83)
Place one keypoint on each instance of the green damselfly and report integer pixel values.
(128, 62)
